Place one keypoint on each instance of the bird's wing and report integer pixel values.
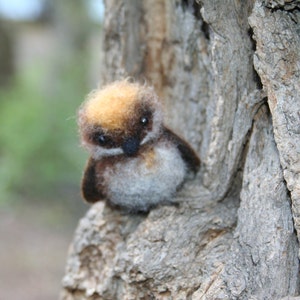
(89, 184)
(188, 155)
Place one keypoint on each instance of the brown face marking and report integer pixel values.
(136, 126)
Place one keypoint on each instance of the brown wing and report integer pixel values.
(89, 185)
(187, 153)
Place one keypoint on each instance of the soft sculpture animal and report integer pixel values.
(136, 162)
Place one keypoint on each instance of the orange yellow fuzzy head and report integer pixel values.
(121, 110)
(113, 105)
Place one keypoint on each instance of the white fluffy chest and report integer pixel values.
(146, 180)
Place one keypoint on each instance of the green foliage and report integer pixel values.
(39, 148)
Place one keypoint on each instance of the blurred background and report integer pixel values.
(50, 58)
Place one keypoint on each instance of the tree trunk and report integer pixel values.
(228, 73)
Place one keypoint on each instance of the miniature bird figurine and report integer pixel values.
(136, 162)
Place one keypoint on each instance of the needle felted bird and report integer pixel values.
(136, 162)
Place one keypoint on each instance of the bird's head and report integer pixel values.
(119, 118)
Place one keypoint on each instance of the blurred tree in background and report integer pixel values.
(39, 153)
(50, 59)
(6, 55)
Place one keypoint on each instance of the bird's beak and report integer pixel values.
(131, 146)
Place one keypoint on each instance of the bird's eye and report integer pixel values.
(144, 121)
(102, 139)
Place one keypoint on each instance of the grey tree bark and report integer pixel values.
(228, 73)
